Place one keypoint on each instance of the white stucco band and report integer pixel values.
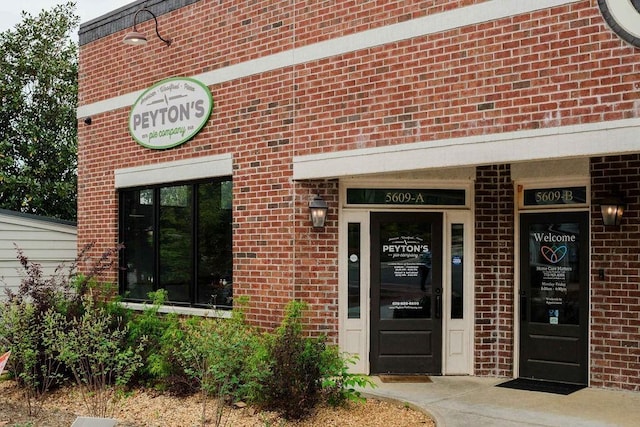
(596, 139)
(180, 170)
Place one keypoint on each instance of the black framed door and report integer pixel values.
(406, 293)
(554, 296)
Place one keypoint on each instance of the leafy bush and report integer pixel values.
(21, 318)
(32, 363)
(294, 381)
(94, 351)
(161, 333)
(64, 326)
(339, 386)
(219, 355)
(22, 314)
(304, 370)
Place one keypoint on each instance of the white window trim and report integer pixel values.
(185, 311)
(180, 170)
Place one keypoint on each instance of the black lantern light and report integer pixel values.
(318, 210)
(612, 209)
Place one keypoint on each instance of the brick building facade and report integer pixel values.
(454, 124)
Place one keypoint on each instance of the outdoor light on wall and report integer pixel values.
(318, 210)
(137, 38)
(612, 209)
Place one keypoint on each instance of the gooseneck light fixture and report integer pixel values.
(318, 211)
(137, 38)
(612, 209)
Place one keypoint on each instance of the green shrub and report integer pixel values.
(160, 331)
(31, 363)
(219, 355)
(61, 327)
(23, 311)
(94, 351)
(304, 371)
(294, 381)
(338, 385)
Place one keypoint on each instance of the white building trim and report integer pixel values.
(594, 139)
(180, 170)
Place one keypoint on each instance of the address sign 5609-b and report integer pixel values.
(555, 196)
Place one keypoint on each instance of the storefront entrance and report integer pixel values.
(406, 293)
(554, 286)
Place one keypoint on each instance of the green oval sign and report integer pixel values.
(170, 113)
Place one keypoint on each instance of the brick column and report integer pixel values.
(494, 280)
(615, 276)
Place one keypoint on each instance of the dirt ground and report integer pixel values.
(145, 408)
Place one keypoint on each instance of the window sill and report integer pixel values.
(185, 311)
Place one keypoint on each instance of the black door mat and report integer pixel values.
(542, 386)
(395, 378)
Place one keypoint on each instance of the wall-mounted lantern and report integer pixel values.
(318, 211)
(612, 209)
(135, 37)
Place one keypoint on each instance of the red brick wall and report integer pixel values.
(554, 67)
(547, 68)
(494, 271)
(262, 119)
(210, 35)
(615, 300)
(316, 259)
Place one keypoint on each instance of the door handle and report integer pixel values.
(438, 304)
(523, 306)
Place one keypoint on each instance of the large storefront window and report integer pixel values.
(178, 238)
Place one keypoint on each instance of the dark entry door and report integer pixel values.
(554, 287)
(406, 293)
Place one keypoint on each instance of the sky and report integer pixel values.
(10, 10)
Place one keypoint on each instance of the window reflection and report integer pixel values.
(457, 271)
(354, 271)
(175, 240)
(215, 286)
(139, 241)
(178, 238)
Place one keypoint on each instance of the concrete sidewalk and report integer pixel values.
(472, 401)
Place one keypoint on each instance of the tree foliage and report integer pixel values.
(38, 100)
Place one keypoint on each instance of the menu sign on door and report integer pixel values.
(405, 263)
